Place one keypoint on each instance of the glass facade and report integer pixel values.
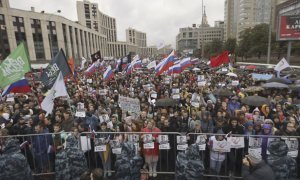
(37, 39)
(52, 36)
(71, 41)
(4, 44)
(64, 27)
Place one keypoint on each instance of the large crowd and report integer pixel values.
(195, 108)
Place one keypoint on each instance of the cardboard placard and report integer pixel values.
(164, 146)
(130, 104)
(221, 146)
(117, 151)
(182, 147)
(235, 83)
(100, 148)
(236, 142)
(149, 145)
(80, 114)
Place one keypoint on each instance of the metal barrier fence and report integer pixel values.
(219, 161)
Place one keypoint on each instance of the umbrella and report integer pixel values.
(196, 69)
(295, 87)
(255, 100)
(231, 74)
(253, 89)
(275, 85)
(280, 80)
(223, 92)
(166, 102)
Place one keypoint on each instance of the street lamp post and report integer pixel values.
(269, 37)
(50, 30)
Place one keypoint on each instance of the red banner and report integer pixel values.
(289, 28)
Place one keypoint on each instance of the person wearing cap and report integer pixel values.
(254, 168)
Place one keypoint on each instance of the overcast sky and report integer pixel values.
(160, 19)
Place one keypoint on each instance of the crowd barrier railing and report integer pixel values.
(41, 149)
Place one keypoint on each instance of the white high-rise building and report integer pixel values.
(242, 14)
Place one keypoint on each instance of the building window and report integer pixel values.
(88, 24)
(87, 11)
(37, 39)
(94, 11)
(19, 29)
(71, 40)
(95, 26)
(4, 44)
(184, 35)
(64, 27)
(52, 36)
(1, 5)
(81, 40)
(77, 44)
(190, 34)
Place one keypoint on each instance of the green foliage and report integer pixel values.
(230, 45)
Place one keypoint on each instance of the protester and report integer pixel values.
(194, 109)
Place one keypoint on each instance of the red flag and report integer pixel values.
(71, 64)
(220, 59)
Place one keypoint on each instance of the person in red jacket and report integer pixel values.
(151, 155)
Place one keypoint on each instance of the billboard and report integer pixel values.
(289, 28)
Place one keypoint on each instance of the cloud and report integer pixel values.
(160, 19)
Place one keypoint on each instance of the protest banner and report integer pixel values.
(85, 143)
(292, 144)
(236, 142)
(221, 146)
(130, 104)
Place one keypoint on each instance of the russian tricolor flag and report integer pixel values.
(175, 69)
(108, 74)
(165, 64)
(129, 69)
(137, 64)
(20, 86)
(185, 63)
(91, 70)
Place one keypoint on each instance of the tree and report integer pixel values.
(230, 45)
(213, 48)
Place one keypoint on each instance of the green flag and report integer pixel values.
(14, 66)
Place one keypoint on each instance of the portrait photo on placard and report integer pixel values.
(148, 138)
(133, 137)
(181, 140)
(201, 139)
(163, 139)
(115, 144)
(255, 142)
(99, 141)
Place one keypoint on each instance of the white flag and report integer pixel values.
(282, 64)
(83, 61)
(152, 64)
(59, 89)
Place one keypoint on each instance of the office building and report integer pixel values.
(136, 37)
(242, 14)
(45, 33)
(192, 38)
